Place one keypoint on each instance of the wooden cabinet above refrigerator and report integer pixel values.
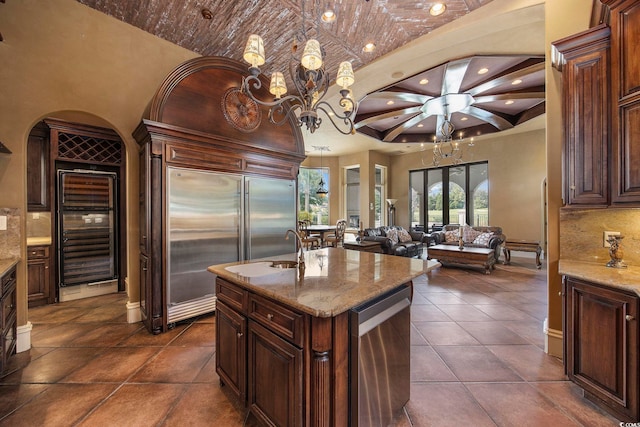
(185, 127)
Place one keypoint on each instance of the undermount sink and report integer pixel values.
(284, 264)
(263, 268)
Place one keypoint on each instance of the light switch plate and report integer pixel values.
(3, 222)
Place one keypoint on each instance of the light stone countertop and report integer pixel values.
(335, 279)
(6, 264)
(621, 278)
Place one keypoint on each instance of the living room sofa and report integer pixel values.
(395, 240)
(472, 236)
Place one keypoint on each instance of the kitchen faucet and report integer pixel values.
(299, 243)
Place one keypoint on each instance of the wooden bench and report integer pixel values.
(522, 246)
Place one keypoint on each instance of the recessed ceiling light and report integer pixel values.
(483, 70)
(437, 9)
(516, 82)
(464, 119)
(420, 125)
(390, 102)
(328, 16)
(424, 81)
(397, 74)
(369, 47)
(509, 102)
(206, 13)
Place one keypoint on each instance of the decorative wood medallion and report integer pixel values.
(242, 112)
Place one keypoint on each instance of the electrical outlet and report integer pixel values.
(606, 235)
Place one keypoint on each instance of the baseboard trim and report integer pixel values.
(553, 341)
(23, 337)
(133, 312)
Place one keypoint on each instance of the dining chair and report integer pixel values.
(337, 238)
(307, 240)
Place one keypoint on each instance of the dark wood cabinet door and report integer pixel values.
(625, 73)
(144, 290)
(275, 366)
(602, 351)
(231, 341)
(38, 276)
(38, 198)
(144, 197)
(586, 111)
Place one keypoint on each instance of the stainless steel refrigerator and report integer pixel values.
(216, 218)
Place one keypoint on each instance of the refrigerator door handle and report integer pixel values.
(246, 241)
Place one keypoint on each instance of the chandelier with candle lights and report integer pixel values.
(311, 83)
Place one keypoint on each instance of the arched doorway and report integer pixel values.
(76, 199)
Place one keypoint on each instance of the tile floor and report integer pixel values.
(477, 360)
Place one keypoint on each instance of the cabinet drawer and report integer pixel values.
(232, 295)
(279, 319)
(8, 280)
(8, 307)
(36, 252)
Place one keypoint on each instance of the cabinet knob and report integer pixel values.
(240, 334)
(270, 316)
(629, 318)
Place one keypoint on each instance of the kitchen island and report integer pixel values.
(287, 339)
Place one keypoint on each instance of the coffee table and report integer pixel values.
(467, 256)
(364, 246)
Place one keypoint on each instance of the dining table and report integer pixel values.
(320, 230)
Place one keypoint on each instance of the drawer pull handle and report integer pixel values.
(270, 316)
(629, 318)
(240, 334)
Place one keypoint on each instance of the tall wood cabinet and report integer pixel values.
(625, 80)
(185, 127)
(38, 167)
(601, 110)
(584, 61)
(601, 345)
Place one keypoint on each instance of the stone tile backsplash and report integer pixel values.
(581, 234)
(10, 238)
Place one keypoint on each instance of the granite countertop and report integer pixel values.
(621, 278)
(6, 264)
(335, 280)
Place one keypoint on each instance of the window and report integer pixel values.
(380, 195)
(352, 195)
(312, 206)
(454, 195)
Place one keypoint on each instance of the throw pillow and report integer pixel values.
(451, 236)
(469, 234)
(483, 239)
(392, 234)
(404, 236)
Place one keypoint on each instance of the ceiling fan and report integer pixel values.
(474, 95)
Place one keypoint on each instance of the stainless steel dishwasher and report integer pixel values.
(380, 358)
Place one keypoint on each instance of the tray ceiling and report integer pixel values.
(496, 93)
